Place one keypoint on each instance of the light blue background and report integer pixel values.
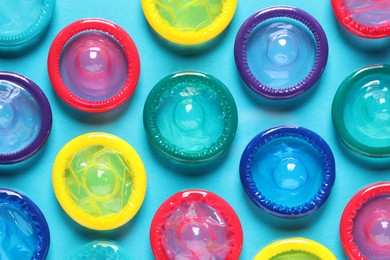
(33, 178)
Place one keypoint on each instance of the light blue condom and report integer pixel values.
(23, 22)
(99, 250)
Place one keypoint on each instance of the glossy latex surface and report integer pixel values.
(295, 255)
(99, 180)
(367, 110)
(280, 52)
(20, 119)
(99, 250)
(369, 12)
(371, 228)
(288, 171)
(93, 65)
(189, 15)
(196, 231)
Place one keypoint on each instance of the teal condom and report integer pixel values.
(190, 117)
(361, 111)
(99, 250)
(22, 23)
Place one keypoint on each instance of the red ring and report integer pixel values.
(350, 212)
(208, 198)
(131, 54)
(344, 17)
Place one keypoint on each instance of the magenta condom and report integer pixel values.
(365, 224)
(364, 18)
(94, 65)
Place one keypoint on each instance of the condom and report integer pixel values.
(190, 117)
(295, 249)
(364, 18)
(106, 250)
(24, 233)
(189, 23)
(196, 224)
(361, 111)
(364, 225)
(288, 171)
(23, 23)
(99, 180)
(25, 118)
(94, 65)
(280, 52)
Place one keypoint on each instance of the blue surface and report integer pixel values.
(33, 177)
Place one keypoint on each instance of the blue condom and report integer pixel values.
(99, 250)
(23, 228)
(288, 171)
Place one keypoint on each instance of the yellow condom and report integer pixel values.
(99, 180)
(295, 249)
(189, 22)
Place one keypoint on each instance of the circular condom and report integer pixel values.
(25, 118)
(23, 228)
(99, 250)
(23, 22)
(99, 180)
(295, 249)
(189, 22)
(196, 224)
(361, 111)
(364, 226)
(190, 117)
(280, 52)
(288, 171)
(364, 18)
(94, 65)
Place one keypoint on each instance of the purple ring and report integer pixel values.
(44, 113)
(240, 53)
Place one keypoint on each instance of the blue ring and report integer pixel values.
(269, 206)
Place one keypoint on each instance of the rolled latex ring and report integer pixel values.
(288, 171)
(190, 117)
(295, 248)
(23, 228)
(99, 250)
(25, 118)
(196, 224)
(361, 111)
(99, 180)
(364, 225)
(189, 22)
(23, 23)
(365, 18)
(280, 52)
(94, 65)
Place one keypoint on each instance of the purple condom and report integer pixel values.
(25, 118)
(281, 52)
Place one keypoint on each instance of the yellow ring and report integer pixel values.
(138, 175)
(177, 36)
(296, 244)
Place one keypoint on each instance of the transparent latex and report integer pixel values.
(17, 16)
(99, 250)
(99, 180)
(288, 171)
(369, 12)
(195, 231)
(371, 228)
(93, 65)
(280, 52)
(190, 116)
(367, 111)
(295, 255)
(20, 119)
(189, 15)
(18, 237)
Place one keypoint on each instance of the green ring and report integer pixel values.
(339, 103)
(174, 152)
